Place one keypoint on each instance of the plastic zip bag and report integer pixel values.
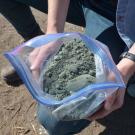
(76, 66)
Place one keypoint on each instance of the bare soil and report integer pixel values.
(18, 109)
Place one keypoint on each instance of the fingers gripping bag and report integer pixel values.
(69, 73)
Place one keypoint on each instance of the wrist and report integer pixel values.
(54, 28)
(51, 31)
(126, 68)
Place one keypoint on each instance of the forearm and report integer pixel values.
(127, 66)
(57, 12)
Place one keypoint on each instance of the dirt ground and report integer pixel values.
(18, 109)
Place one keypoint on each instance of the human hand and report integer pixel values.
(41, 54)
(116, 99)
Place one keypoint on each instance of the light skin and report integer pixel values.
(126, 68)
(57, 12)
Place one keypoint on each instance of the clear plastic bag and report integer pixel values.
(75, 73)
